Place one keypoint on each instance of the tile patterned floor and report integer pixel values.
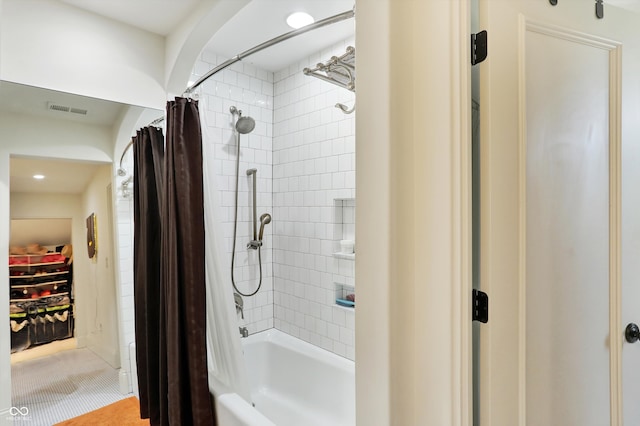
(62, 386)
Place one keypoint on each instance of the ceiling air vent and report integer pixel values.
(56, 107)
(78, 111)
(63, 108)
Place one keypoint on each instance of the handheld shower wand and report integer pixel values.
(265, 218)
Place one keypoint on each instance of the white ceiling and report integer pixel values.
(61, 176)
(69, 177)
(21, 99)
(262, 20)
(259, 21)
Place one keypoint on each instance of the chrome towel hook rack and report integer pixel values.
(339, 70)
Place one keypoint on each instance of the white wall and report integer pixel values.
(99, 287)
(50, 44)
(412, 220)
(50, 138)
(373, 178)
(47, 232)
(313, 173)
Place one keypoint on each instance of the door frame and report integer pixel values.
(413, 174)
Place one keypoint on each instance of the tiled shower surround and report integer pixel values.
(251, 91)
(304, 150)
(124, 226)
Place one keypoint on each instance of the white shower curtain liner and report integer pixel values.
(224, 350)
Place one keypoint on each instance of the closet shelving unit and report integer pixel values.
(41, 304)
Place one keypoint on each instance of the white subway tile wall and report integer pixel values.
(314, 207)
(251, 91)
(124, 224)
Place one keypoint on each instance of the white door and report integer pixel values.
(560, 214)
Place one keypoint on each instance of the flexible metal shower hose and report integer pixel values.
(235, 228)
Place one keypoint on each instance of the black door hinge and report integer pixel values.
(599, 9)
(478, 47)
(480, 306)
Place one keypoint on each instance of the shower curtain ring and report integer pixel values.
(190, 95)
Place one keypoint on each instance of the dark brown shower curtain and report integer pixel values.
(148, 173)
(181, 376)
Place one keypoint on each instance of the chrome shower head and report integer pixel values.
(122, 172)
(245, 125)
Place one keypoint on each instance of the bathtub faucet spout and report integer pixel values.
(244, 332)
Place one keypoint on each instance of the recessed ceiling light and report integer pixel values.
(38, 176)
(299, 19)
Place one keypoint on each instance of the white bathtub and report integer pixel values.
(292, 383)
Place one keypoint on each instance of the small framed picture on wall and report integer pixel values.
(92, 236)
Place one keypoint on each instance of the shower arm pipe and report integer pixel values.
(286, 36)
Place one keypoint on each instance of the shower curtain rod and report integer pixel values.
(279, 39)
(286, 36)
